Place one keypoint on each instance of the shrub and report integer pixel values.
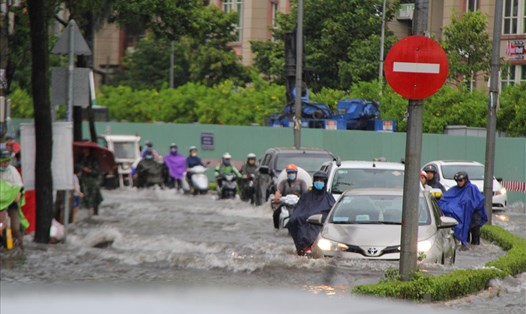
(459, 282)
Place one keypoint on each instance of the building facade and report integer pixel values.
(513, 33)
(256, 18)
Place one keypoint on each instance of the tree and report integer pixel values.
(202, 57)
(341, 41)
(38, 19)
(468, 47)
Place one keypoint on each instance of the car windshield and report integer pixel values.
(124, 150)
(375, 209)
(345, 179)
(475, 172)
(309, 162)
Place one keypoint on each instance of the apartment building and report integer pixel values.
(257, 17)
(513, 35)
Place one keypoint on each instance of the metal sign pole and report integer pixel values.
(71, 69)
(299, 76)
(413, 153)
(492, 112)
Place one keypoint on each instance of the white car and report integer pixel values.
(446, 169)
(351, 174)
(367, 224)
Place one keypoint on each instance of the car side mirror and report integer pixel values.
(264, 170)
(447, 222)
(316, 219)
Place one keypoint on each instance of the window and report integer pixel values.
(274, 12)
(472, 5)
(508, 76)
(511, 9)
(235, 6)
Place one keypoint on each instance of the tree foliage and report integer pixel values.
(203, 57)
(468, 47)
(342, 41)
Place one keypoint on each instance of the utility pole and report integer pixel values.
(492, 111)
(4, 9)
(382, 40)
(413, 153)
(172, 64)
(299, 76)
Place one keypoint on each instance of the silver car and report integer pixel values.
(366, 224)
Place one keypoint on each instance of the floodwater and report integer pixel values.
(163, 238)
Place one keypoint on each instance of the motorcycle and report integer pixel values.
(228, 186)
(248, 192)
(199, 184)
(287, 204)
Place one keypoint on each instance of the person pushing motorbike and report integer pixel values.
(248, 172)
(293, 185)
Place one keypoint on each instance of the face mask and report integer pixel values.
(193, 154)
(3, 169)
(319, 185)
(148, 157)
(291, 176)
(173, 151)
(226, 162)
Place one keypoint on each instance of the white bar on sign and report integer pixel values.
(412, 67)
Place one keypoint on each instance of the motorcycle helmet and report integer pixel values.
(5, 155)
(173, 145)
(226, 156)
(251, 156)
(320, 175)
(430, 168)
(461, 175)
(291, 168)
(148, 144)
(191, 148)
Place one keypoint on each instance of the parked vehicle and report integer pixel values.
(446, 170)
(126, 150)
(276, 159)
(350, 114)
(366, 224)
(351, 174)
(199, 181)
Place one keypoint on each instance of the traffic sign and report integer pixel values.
(416, 67)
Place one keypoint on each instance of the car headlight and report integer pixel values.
(502, 191)
(424, 246)
(328, 245)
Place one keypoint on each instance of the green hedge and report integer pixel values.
(459, 282)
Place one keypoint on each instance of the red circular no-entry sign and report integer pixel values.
(416, 67)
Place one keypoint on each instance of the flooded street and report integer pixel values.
(160, 237)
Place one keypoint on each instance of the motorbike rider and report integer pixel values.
(191, 161)
(151, 172)
(224, 168)
(431, 172)
(11, 200)
(465, 203)
(148, 146)
(293, 185)
(248, 172)
(176, 164)
(315, 201)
